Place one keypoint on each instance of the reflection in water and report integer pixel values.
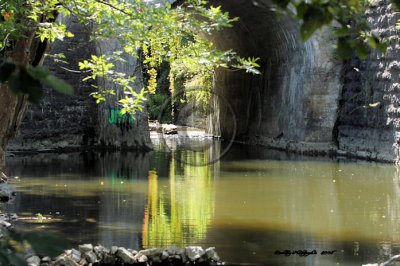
(248, 205)
(180, 212)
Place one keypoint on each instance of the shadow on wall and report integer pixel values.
(295, 100)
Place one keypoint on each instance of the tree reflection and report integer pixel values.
(179, 212)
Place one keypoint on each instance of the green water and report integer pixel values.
(248, 205)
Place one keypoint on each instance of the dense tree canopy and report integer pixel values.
(162, 34)
(158, 31)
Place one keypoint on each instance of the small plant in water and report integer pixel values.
(39, 217)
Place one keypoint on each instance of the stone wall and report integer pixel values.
(62, 122)
(293, 103)
(305, 101)
(363, 130)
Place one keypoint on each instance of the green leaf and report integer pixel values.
(307, 29)
(46, 244)
(59, 85)
(301, 9)
(314, 17)
(344, 49)
(362, 51)
(382, 47)
(38, 72)
(374, 104)
(342, 32)
(23, 83)
(281, 3)
(6, 69)
(396, 2)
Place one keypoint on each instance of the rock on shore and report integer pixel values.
(87, 254)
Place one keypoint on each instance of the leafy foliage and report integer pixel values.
(27, 80)
(162, 33)
(155, 103)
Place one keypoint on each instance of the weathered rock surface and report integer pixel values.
(364, 130)
(294, 100)
(75, 122)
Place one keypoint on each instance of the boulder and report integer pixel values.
(164, 255)
(33, 261)
(90, 256)
(101, 251)
(212, 255)
(125, 255)
(85, 248)
(76, 255)
(140, 258)
(152, 252)
(194, 253)
(173, 250)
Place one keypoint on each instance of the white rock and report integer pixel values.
(125, 255)
(33, 261)
(114, 250)
(141, 258)
(134, 252)
(90, 256)
(101, 251)
(75, 255)
(173, 250)
(46, 259)
(164, 255)
(4, 224)
(194, 253)
(152, 252)
(85, 248)
(211, 254)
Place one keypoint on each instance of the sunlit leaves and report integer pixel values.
(133, 101)
(152, 82)
(52, 31)
(164, 34)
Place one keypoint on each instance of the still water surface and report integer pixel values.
(248, 205)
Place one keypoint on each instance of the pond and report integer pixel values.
(252, 204)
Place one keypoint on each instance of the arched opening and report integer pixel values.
(295, 98)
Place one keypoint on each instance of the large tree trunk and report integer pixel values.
(26, 51)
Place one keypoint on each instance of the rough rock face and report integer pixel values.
(117, 130)
(363, 130)
(61, 121)
(293, 103)
(65, 122)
